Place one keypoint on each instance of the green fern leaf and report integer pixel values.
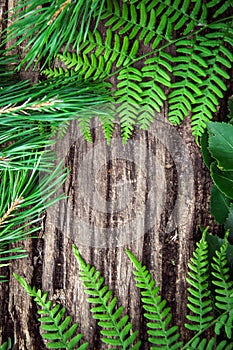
(223, 290)
(154, 73)
(199, 299)
(56, 326)
(117, 331)
(190, 75)
(213, 51)
(160, 333)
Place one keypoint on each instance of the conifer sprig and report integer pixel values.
(49, 27)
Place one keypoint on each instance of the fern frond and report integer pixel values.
(160, 333)
(116, 330)
(189, 68)
(128, 96)
(155, 73)
(218, 57)
(223, 290)
(57, 328)
(199, 299)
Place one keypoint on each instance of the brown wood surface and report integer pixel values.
(148, 196)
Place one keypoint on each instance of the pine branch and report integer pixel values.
(23, 200)
(116, 330)
(41, 25)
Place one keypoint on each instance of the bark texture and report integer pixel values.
(149, 196)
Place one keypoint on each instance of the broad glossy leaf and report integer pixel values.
(222, 179)
(229, 222)
(206, 155)
(221, 144)
(219, 205)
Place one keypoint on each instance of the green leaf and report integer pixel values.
(206, 155)
(223, 180)
(229, 222)
(219, 205)
(221, 144)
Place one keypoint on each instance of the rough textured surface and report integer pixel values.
(140, 195)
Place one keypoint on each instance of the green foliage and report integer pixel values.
(192, 79)
(54, 324)
(23, 201)
(217, 151)
(7, 345)
(199, 299)
(210, 303)
(224, 290)
(115, 328)
(29, 117)
(161, 333)
(47, 28)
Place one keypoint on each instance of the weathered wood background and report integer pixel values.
(148, 196)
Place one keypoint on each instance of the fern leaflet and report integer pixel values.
(116, 330)
(56, 327)
(199, 299)
(160, 333)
